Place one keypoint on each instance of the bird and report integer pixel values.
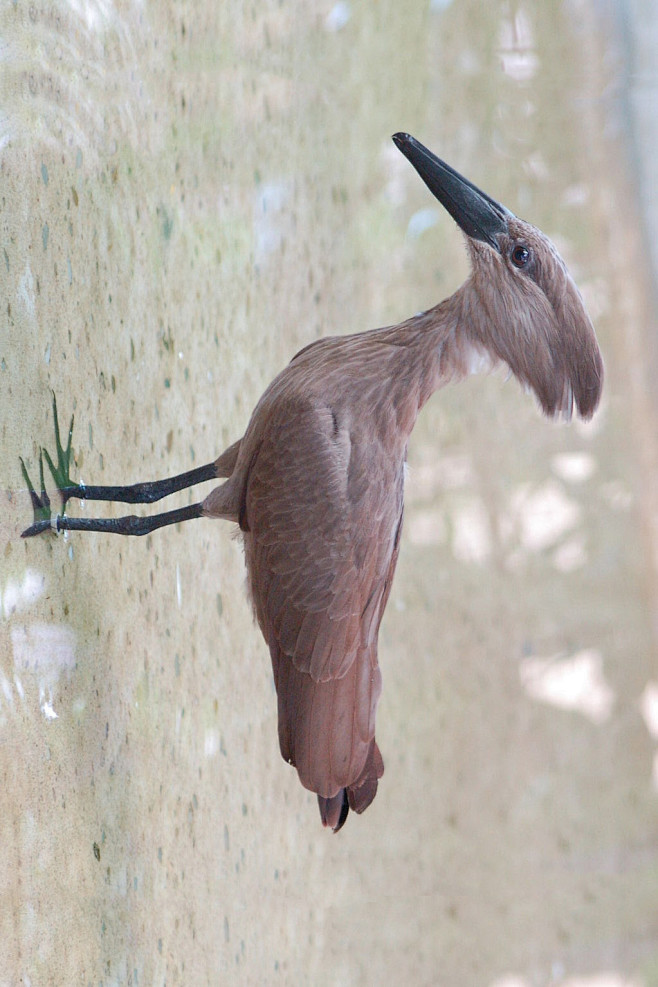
(316, 483)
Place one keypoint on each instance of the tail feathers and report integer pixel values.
(326, 731)
(334, 810)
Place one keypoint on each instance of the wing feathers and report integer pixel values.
(321, 548)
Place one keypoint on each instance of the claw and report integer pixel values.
(38, 528)
(43, 520)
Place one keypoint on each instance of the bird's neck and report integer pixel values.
(433, 349)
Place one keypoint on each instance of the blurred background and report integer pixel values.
(190, 193)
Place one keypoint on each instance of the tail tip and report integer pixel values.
(335, 810)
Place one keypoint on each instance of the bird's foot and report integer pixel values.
(43, 520)
(40, 504)
(61, 472)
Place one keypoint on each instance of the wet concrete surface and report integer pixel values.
(189, 196)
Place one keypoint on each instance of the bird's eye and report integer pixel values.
(520, 255)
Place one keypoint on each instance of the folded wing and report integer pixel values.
(322, 521)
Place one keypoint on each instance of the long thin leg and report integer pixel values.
(149, 492)
(142, 493)
(129, 525)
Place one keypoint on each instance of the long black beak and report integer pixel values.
(479, 216)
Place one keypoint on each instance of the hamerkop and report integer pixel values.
(316, 482)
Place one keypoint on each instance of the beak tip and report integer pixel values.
(479, 216)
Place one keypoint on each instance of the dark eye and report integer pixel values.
(520, 255)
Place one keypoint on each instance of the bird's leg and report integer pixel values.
(149, 492)
(143, 493)
(129, 525)
(136, 493)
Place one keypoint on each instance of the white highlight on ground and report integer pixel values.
(211, 743)
(574, 467)
(577, 684)
(542, 515)
(19, 596)
(605, 979)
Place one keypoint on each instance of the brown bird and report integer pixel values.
(316, 482)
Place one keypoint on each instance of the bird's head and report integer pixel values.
(520, 303)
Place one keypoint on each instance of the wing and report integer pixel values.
(322, 506)
(322, 518)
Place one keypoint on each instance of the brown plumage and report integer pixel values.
(316, 482)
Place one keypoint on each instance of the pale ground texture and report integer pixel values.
(191, 192)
